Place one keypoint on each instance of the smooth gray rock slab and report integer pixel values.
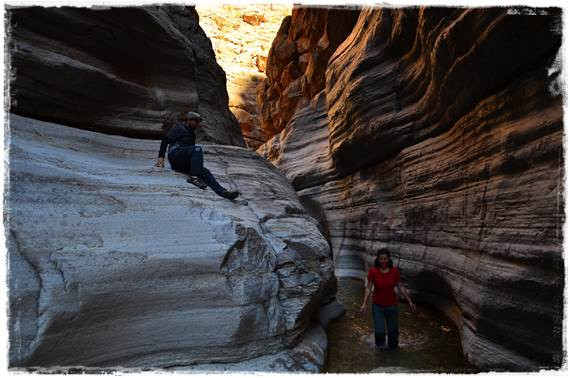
(330, 312)
(307, 356)
(114, 262)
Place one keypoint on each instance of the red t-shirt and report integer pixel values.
(384, 284)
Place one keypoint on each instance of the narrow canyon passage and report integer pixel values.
(241, 36)
(239, 46)
(434, 133)
(462, 182)
(352, 114)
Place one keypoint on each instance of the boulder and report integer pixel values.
(254, 19)
(261, 63)
(250, 127)
(330, 312)
(114, 263)
(439, 136)
(117, 70)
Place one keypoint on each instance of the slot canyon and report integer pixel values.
(433, 132)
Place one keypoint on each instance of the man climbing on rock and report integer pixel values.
(185, 157)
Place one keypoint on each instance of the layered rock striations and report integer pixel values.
(439, 135)
(116, 263)
(407, 71)
(297, 61)
(117, 70)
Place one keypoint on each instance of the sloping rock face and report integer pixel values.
(116, 263)
(297, 61)
(439, 136)
(117, 70)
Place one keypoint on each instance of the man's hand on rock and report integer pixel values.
(160, 163)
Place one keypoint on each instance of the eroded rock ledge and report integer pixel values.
(115, 263)
(439, 135)
(117, 70)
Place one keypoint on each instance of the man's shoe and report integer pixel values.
(231, 195)
(196, 181)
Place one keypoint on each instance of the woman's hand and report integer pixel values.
(367, 291)
(407, 296)
(160, 163)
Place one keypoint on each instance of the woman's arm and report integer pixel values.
(403, 290)
(369, 289)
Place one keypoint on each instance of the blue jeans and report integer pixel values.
(385, 318)
(190, 160)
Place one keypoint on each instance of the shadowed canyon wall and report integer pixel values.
(439, 135)
(117, 70)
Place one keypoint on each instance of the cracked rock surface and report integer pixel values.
(116, 263)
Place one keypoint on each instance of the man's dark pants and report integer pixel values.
(190, 160)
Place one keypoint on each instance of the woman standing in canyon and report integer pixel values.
(383, 277)
(185, 157)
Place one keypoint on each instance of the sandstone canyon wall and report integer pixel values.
(439, 135)
(297, 60)
(115, 263)
(117, 70)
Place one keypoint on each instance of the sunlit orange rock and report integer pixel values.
(254, 18)
(241, 37)
(261, 63)
(302, 47)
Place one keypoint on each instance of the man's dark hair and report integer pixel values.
(383, 251)
(171, 119)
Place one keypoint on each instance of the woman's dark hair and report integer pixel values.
(386, 252)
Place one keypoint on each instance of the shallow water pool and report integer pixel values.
(429, 341)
